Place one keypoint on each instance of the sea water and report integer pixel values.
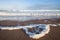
(30, 15)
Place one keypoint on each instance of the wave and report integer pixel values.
(39, 30)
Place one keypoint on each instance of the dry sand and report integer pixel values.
(19, 34)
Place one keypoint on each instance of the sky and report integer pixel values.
(30, 4)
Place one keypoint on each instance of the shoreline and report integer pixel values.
(19, 34)
(23, 23)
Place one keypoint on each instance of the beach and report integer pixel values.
(29, 19)
(19, 34)
(23, 23)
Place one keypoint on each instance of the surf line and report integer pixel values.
(39, 30)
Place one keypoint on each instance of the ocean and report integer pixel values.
(29, 15)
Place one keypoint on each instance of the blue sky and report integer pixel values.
(30, 4)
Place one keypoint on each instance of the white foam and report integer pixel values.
(45, 31)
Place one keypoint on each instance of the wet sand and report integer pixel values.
(19, 34)
(15, 23)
